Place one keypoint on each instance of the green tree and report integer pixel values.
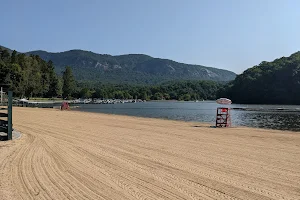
(145, 96)
(14, 57)
(85, 93)
(4, 55)
(185, 97)
(59, 87)
(68, 83)
(119, 95)
(157, 96)
(99, 93)
(55, 86)
(166, 96)
(127, 95)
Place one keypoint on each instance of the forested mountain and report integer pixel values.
(132, 68)
(106, 76)
(276, 82)
(31, 76)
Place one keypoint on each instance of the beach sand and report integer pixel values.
(78, 155)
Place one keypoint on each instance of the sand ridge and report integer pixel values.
(78, 155)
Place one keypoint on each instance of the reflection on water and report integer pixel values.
(266, 117)
(274, 120)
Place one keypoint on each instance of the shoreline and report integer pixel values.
(195, 123)
(178, 120)
(281, 118)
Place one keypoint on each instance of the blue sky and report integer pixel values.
(228, 34)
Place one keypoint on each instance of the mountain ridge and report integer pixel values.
(129, 68)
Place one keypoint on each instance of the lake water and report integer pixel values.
(268, 116)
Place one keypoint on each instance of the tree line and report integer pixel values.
(31, 76)
(174, 90)
(28, 76)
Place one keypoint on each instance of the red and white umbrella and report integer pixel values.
(223, 101)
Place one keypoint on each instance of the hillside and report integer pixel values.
(5, 48)
(132, 68)
(276, 82)
(31, 76)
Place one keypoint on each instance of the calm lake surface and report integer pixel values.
(267, 116)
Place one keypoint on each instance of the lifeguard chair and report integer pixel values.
(65, 106)
(223, 118)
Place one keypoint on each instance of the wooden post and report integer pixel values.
(9, 112)
(1, 95)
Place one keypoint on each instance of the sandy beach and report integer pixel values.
(78, 155)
